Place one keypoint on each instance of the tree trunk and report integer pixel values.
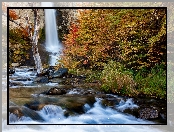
(33, 38)
(34, 41)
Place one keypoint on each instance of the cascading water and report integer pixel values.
(53, 45)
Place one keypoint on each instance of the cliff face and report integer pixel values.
(66, 14)
(25, 17)
(19, 12)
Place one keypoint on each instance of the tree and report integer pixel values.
(134, 37)
(29, 33)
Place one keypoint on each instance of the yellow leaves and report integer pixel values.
(98, 29)
(17, 51)
(19, 45)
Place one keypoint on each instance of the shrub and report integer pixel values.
(134, 37)
(117, 79)
(154, 83)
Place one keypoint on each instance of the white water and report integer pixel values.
(96, 115)
(52, 42)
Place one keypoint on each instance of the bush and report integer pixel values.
(116, 79)
(134, 37)
(154, 83)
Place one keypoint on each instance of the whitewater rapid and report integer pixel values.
(55, 114)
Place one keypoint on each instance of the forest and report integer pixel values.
(124, 50)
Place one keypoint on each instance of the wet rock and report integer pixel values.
(68, 113)
(16, 110)
(20, 111)
(90, 100)
(73, 104)
(45, 72)
(133, 112)
(41, 79)
(148, 113)
(76, 107)
(149, 109)
(110, 102)
(61, 72)
(35, 105)
(56, 91)
(15, 84)
(154, 106)
(11, 71)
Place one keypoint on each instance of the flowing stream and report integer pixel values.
(53, 114)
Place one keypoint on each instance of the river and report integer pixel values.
(53, 114)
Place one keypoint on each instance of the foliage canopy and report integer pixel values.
(134, 37)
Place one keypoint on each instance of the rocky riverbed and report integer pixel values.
(29, 94)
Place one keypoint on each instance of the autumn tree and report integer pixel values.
(23, 38)
(134, 37)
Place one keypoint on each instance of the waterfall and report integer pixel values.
(53, 46)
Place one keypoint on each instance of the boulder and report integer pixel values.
(148, 113)
(20, 111)
(61, 72)
(56, 91)
(110, 102)
(34, 105)
(72, 104)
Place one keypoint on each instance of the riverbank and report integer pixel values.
(115, 79)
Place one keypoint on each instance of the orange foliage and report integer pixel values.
(13, 15)
(133, 37)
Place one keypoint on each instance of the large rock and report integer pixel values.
(149, 109)
(35, 105)
(61, 72)
(21, 111)
(110, 102)
(148, 113)
(56, 91)
(72, 104)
